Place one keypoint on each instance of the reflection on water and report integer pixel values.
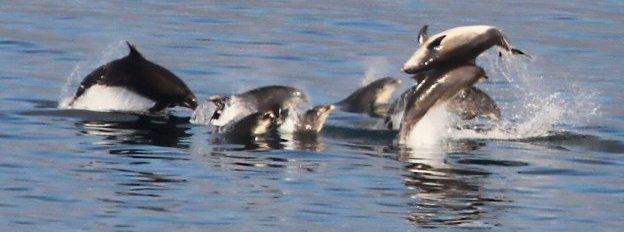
(443, 194)
(170, 132)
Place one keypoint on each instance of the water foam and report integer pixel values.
(234, 109)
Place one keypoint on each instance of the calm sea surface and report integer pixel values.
(562, 169)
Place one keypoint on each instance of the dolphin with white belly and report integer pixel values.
(436, 89)
(468, 104)
(454, 46)
(141, 77)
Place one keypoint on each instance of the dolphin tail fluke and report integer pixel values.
(507, 46)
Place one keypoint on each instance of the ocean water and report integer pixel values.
(555, 163)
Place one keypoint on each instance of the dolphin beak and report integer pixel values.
(330, 108)
(410, 70)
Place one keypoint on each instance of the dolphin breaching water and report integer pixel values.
(436, 90)
(138, 76)
(444, 66)
(454, 46)
(468, 104)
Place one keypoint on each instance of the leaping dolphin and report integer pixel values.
(436, 89)
(454, 46)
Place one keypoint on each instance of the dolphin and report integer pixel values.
(143, 77)
(454, 46)
(276, 98)
(251, 126)
(472, 102)
(371, 99)
(312, 121)
(436, 89)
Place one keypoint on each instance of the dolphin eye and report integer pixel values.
(435, 44)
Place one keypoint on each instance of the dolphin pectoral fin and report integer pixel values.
(520, 52)
(516, 51)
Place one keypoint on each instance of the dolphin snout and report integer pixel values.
(409, 69)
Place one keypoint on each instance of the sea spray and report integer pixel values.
(375, 68)
(532, 106)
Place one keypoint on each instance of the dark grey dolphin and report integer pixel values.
(142, 77)
(251, 126)
(454, 46)
(436, 89)
(472, 102)
(371, 99)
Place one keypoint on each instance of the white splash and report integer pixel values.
(234, 109)
(432, 129)
(290, 123)
(106, 98)
(535, 107)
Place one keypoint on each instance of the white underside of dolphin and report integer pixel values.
(108, 98)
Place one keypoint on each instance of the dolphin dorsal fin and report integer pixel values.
(134, 53)
(422, 34)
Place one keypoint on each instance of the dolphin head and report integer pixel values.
(189, 101)
(264, 121)
(314, 119)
